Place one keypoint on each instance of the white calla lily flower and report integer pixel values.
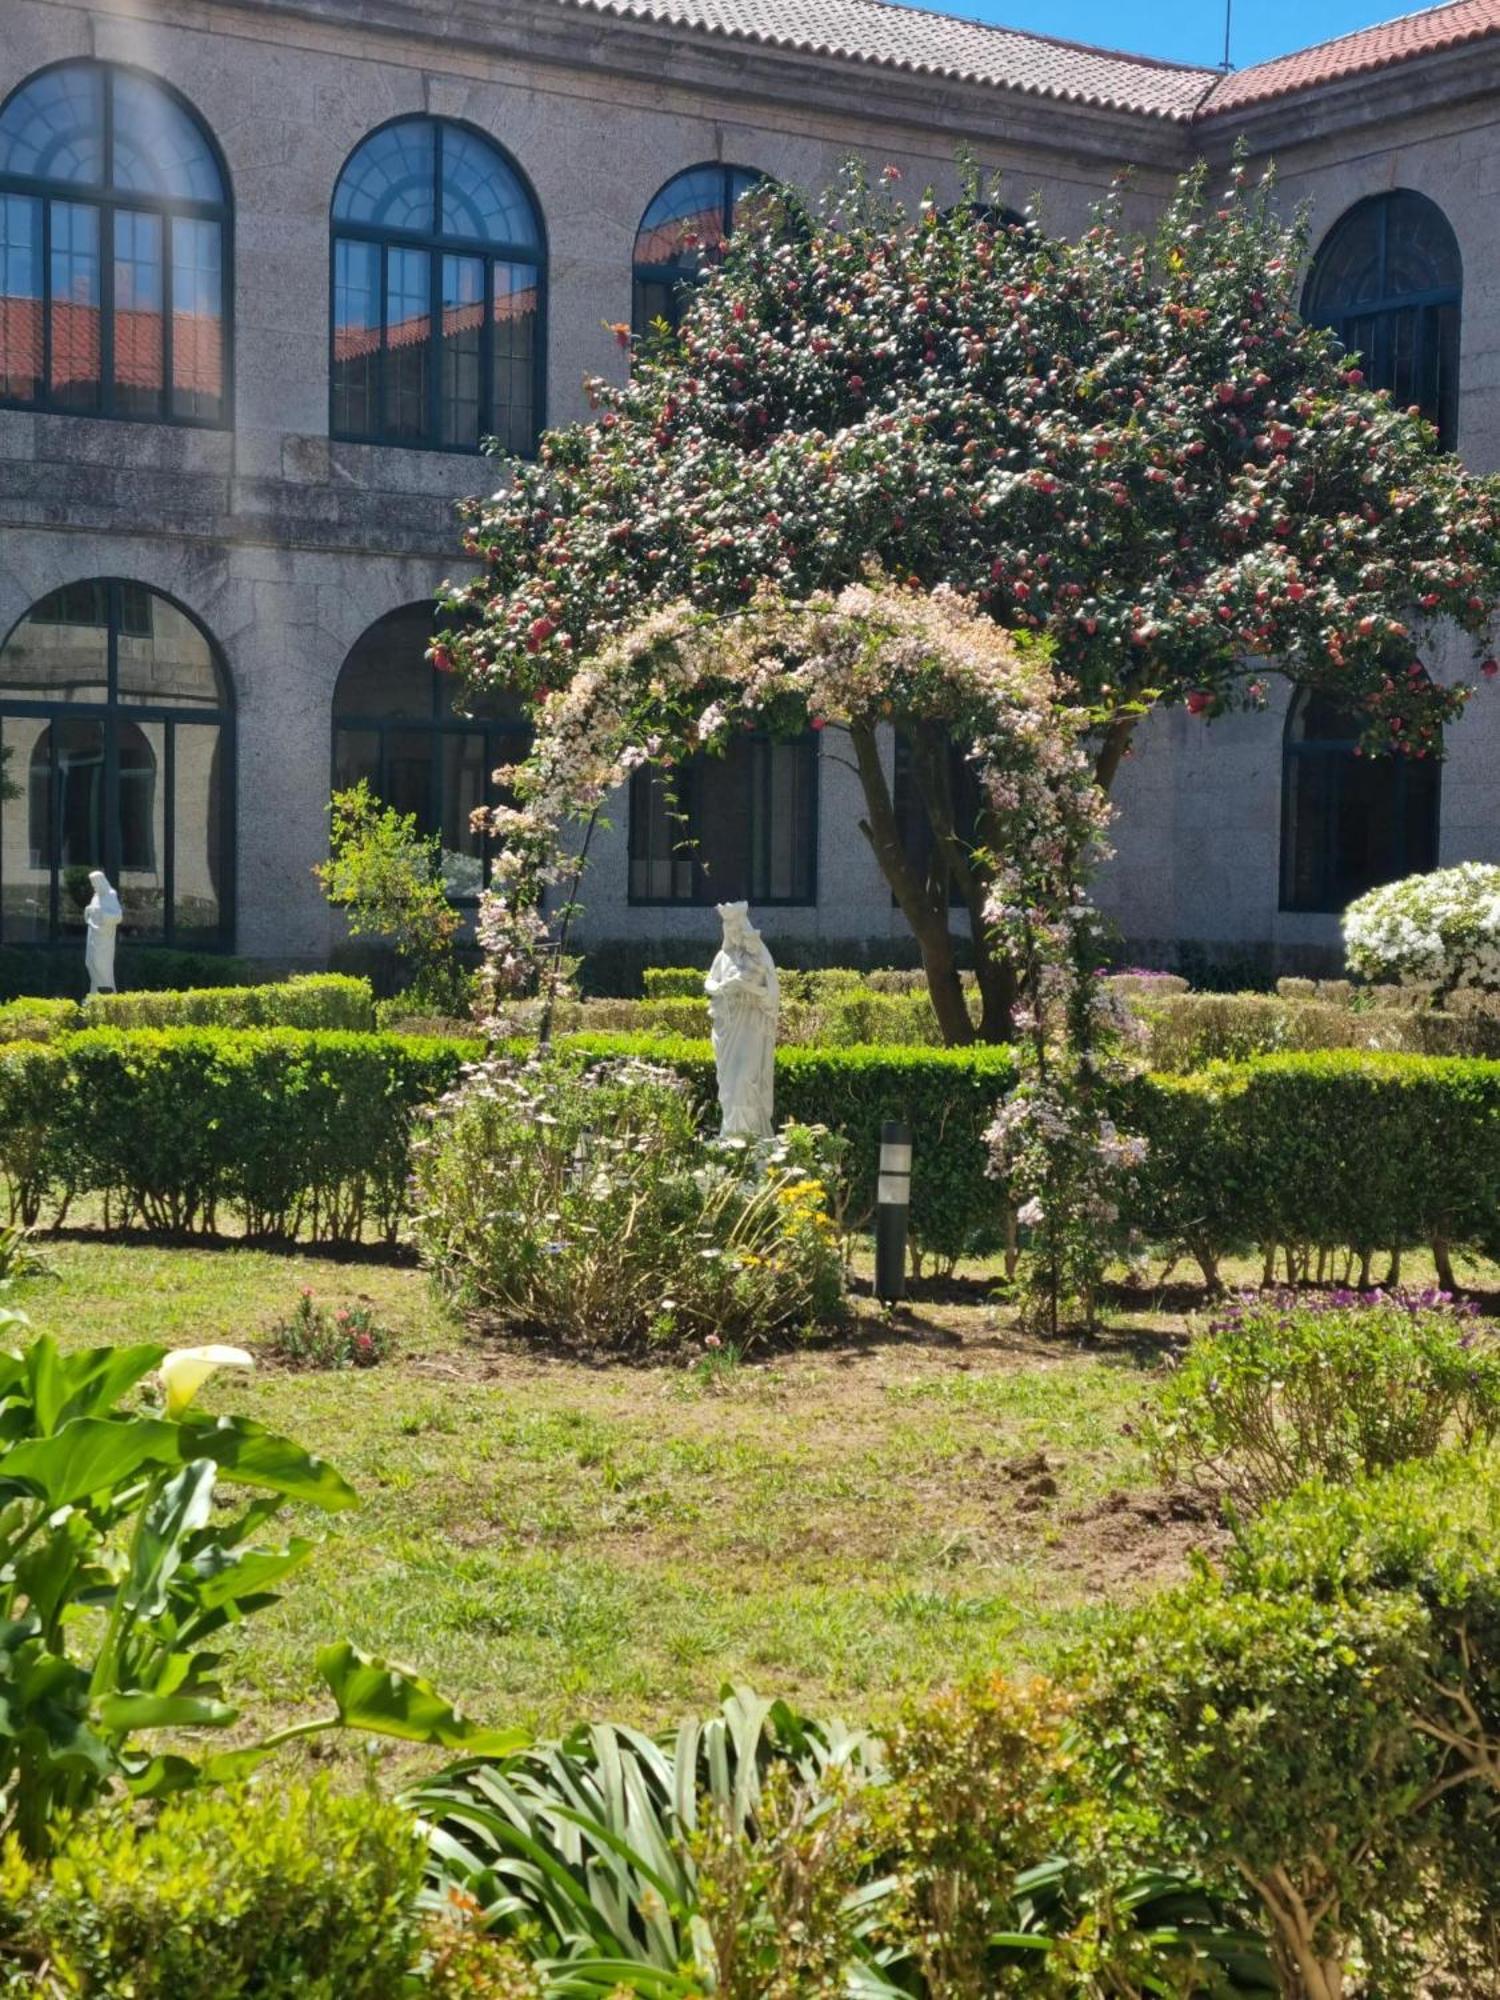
(185, 1370)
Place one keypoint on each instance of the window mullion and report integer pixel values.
(169, 838)
(44, 397)
(168, 281)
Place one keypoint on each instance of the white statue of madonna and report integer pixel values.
(101, 919)
(744, 996)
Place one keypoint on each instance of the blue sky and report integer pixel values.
(1186, 30)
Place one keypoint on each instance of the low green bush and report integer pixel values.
(672, 982)
(1322, 1719)
(36, 1020)
(1281, 1390)
(1186, 1031)
(330, 1000)
(579, 1202)
(287, 1131)
(285, 1893)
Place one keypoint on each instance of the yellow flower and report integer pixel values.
(185, 1370)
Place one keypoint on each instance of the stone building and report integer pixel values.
(269, 269)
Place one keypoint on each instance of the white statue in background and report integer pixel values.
(744, 996)
(101, 921)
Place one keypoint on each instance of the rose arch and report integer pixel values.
(683, 681)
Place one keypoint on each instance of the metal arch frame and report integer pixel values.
(672, 274)
(704, 893)
(108, 201)
(1334, 751)
(436, 246)
(109, 713)
(1338, 316)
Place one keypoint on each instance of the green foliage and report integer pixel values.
(1320, 1150)
(289, 1132)
(312, 1337)
(580, 1202)
(1187, 1031)
(36, 1020)
(1282, 1390)
(289, 1894)
(330, 1000)
(115, 1511)
(672, 982)
(387, 878)
(1324, 1718)
(285, 1893)
(596, 1849)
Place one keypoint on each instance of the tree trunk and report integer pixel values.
(1115, 743)
(954, 865)
(1442, 1259)
(928, 921)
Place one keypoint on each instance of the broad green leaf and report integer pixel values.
(245, 1451)
(90, 1455)
(121, 1712)
(226, 1581)
(177, 1511)
(90, 1383)
(389, 1701)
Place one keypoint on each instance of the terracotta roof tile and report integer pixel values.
(878, 31)
(1427, 33)
(911, 38)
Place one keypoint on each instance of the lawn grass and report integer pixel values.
(550, 1539)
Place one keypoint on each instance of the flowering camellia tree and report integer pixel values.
(1136, 448)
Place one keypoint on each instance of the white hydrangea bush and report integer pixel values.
(1438, 933)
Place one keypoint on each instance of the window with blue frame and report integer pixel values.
(1349, 821)
(1388, 279)
(741, 827)
(439, 281)
(114, 250)
(683, 231)
(405, 729)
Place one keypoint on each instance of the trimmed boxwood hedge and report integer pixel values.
(296, 1132)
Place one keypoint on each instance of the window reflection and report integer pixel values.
(741, 826)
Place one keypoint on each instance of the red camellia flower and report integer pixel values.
(538, 633)
(441, 659)
(1198, 701)
(1489, 668)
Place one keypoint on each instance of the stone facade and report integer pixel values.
(287, 546)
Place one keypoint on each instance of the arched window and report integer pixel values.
(398, 724)
(439, 269)
(684, 228)
(1349, 822)
(1388, 280)
(116, 708)
(743, 826)
(114, 250)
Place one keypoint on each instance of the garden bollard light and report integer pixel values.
(892, 1206)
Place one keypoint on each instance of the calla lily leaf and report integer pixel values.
(89, 1455)
(390, 1701)
(243, 1450)
(121, 1712)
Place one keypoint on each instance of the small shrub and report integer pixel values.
(672, 982)
(387, 877)
(1438, 933)
(1280, 1391)
(313, 1337)
(36, 1020)
(316, 1000)
(582, 1204)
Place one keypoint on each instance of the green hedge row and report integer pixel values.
(316, 1000)
(288, 1131)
